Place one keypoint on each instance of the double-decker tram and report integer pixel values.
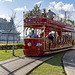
(43, 36)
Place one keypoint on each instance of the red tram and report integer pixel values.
(42, 45)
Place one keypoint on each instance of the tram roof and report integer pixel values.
(40, 23)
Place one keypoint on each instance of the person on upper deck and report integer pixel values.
(31, 14)
(50, 14)
(38, 14)
(44, 13)
(33, 35)
(34, 14)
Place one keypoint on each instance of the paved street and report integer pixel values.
(69, 62)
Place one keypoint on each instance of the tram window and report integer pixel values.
(32, 33)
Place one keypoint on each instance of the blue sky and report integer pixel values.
(6, 7)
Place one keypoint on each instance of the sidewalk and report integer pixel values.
(69, 62)
(20, 65)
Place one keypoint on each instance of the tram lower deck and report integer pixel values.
(61, 39)
(34, 47)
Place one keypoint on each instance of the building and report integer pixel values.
(8, 31)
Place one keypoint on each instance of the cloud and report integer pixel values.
(60, 8)
(21, 9)
(38, 3)
(52, 3)
(6, 0)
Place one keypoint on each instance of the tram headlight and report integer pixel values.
(29, 44)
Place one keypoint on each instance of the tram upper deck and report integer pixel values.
(39, 23)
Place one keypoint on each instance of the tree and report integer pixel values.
(71, 21)
(13, 16)
(36, 7)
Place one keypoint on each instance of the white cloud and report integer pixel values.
(52, 3)
(21, 9)
(6, 0)
(68, 7)
(38, 3)
(60, 8)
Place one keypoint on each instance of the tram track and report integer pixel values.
(21, 65)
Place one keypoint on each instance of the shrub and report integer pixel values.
(17, 46)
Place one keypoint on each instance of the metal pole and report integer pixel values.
(13, 45)
(13, 38)
(44, 37)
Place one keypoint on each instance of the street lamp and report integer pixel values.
(12, 23)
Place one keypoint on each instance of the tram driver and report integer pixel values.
(33, 35)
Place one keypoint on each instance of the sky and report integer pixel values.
(18, 6)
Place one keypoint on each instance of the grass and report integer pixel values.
(51, 67)
(8, 55)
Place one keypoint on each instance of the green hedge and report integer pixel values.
(17, 46)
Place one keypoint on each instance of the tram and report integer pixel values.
(62, 36)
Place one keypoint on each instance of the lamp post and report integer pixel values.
(13, 40)
(12, 24)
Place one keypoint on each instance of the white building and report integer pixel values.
(8, 30)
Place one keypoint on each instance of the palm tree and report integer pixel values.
(36, 7)
(71, 21)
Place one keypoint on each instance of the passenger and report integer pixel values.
(63, 39)
(31, 14)
(37, 36)
(50, 14)
(34, 14)
(61, 20)
(44, 13)
(54, 40)
(50, 37)
(33, 35)
(41, 35)
(24, 15)
(58, 40)
(66, 38)
(38, 14)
